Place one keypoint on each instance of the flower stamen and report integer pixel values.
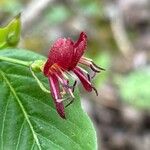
(74, 85)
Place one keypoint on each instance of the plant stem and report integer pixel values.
(39, 82)
(16, 61)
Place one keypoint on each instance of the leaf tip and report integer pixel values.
(18, 15)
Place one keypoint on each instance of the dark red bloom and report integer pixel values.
(63, 60)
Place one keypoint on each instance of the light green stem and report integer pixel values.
(39, 82)
(16, 61)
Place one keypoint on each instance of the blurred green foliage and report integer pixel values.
(91, 8)
(57, 14)
(103, 60)
(135, 88)
(13, 6)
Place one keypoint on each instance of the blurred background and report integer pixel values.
(118, 40)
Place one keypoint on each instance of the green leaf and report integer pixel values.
(10, 34)
(28, 117)
(134, 88)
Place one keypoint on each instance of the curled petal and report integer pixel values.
(81, 43)
(79, 48)
(54, 85)
(84, 80)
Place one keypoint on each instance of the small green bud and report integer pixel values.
(37, 65)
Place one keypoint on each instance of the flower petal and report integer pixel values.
(81, 43)
(84, 80)
(61, 53)
(47, 66)
(79, 48)
(54, 86)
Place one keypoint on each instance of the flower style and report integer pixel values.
(63, 61)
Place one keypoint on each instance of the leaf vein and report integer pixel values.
(58, 130)
(49, 106)
(51, 141)
(23, 109)
(19, 136)
(3, 124)
(33, 145)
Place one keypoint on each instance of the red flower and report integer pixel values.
(63, 60)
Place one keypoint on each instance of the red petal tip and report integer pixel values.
(83, 35)
(60, 110)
